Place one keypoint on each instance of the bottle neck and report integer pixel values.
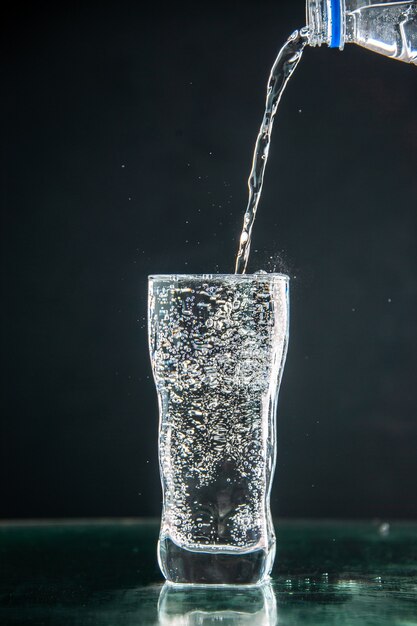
(326, 23)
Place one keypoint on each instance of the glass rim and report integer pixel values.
(236, 277)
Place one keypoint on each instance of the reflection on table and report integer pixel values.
(105, 573)
(234, 606)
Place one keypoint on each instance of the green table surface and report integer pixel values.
(105, 573)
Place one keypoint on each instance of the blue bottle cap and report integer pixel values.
(336, 23)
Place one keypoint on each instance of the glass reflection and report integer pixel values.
(207, 606)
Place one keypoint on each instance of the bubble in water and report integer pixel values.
(213, 348)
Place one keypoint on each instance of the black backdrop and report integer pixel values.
(126, 144)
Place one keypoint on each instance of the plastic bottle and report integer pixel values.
(389, 28)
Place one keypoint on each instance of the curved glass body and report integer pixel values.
(218, 345)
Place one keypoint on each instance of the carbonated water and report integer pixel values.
(217, 345)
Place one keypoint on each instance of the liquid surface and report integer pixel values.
(285, 64)
(217, 350)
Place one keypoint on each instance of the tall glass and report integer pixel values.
(218, 345)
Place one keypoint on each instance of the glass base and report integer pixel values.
(183, 566)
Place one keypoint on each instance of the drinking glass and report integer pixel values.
(218, 344)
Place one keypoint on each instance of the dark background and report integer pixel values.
(127, 138)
